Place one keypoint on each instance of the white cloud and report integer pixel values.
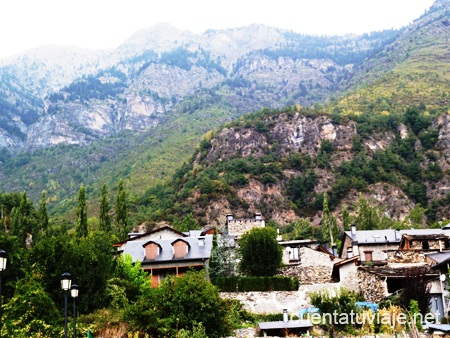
(27, 24)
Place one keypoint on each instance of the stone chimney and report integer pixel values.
(349, 253)
(397, 235)
(355, 248)
(334, 250)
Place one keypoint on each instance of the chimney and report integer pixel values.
(229, 217)
(353, 229)
(285, 315)
(349, 253)
(355, 248)
(334, 249)
(258, 216)
(397, 234)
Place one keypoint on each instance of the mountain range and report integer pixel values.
(71, 116)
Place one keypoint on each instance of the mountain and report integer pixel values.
(137, 112)
(73, 96)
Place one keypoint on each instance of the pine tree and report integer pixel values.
(105, 218)
(121, 212)
(81, 221)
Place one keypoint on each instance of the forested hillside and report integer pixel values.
(140, 115)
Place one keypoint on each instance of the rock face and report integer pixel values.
(93, 94)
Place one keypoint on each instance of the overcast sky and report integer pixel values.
(99, 24)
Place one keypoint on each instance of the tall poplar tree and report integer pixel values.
(42, 216)
(23, 219)
(105, 218)
(326, 221)
(81, 221)
(121, 212)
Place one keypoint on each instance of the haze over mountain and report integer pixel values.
(138, 111)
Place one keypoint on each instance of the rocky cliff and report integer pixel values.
(282, 164)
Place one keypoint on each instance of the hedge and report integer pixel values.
(244, 284)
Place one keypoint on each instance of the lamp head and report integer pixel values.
(3, 259)
(66, 281)
(74, 291)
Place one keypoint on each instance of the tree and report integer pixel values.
(186, 224)
(81, 220)
(89, 261)
(330, 302)
(121, 212)
(128, 282)
(415, 287)
(105, 218)
(222, 261)
(30, 312)
(326, 220)
(23, 219)
(182, 303)
(42, 217)
(261, 255)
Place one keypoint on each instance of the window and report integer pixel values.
(368, 256)
(152, 250)
(180, 248)
(425, 245)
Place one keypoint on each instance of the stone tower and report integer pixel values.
(239, 226)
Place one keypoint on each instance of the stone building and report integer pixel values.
(376, 245)
(239, 226)
(311, 264)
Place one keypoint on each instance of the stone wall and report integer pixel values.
(277, 301)
(238, 227)
(433, 244)
(406, 256)
(372, 286)
(314, 267)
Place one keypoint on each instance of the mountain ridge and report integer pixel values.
(153, 123)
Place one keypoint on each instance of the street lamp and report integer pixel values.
(74, 294)
(3, 259)
(66, 282)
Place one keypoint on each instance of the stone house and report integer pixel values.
(309, 262)
(165, 251)
(377, 246)
(440, 263)
(239, 226)
(345, 272)
(385, 258)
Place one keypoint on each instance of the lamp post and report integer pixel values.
(66, 282)
(74, 294)
(3, 259)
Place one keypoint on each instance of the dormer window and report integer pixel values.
(152, 250)
(180, 248)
